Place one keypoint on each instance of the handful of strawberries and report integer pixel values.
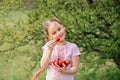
(60, 62)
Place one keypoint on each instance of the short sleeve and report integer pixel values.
(75, 50)
(44, 47)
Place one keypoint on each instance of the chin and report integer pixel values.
(62, 40)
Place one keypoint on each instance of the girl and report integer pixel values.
(58, 49)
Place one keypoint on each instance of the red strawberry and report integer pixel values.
(53, 62)
(66, 62)
(60, 62)
(57, 39)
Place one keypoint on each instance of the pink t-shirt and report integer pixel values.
(62, 52)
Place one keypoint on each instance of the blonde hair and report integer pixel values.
(48, 22)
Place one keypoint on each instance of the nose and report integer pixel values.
(58, 32)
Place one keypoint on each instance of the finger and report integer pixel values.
(57, 67)
(52, 41)
(53, 65)
(64, 65)
(51, 44)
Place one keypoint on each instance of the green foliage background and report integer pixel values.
(92, 24)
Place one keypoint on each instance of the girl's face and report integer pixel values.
(56, 30)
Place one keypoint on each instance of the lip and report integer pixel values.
(60, 36)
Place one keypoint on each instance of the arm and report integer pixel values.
(75, 61)
(45, 58)
(75, 65)
(47, 53)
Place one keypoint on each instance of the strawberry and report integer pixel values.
(57, 39)
(60, 62)
(66, 62)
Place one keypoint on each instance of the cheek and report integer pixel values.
(50, 36)
(64, 32)
(53, 36)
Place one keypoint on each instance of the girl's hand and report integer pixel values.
(58, 68)
(51, 44)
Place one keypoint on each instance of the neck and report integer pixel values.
(61, 43)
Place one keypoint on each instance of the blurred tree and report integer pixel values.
(1, 0)
(30, 4)
(90, 1)
(95, 26)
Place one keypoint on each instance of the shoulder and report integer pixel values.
(71, 44)
(44, 46)
(74, 48)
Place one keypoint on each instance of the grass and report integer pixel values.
(14, 69)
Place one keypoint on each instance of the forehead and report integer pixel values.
(53, 26)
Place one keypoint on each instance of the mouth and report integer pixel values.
(57, 39)
(60, 36)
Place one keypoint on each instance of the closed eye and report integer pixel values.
(59, 29)
(54, 33)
